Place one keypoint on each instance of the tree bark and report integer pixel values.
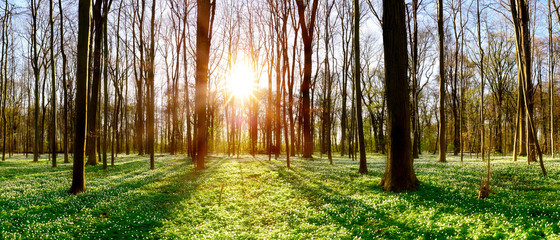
(203, 38)
(64, 83)
(520, 16)
(53, 83)
(307, 35)
(442, 142)
(96, 84)
(414, 75)
(150, 89)
(78, 176)
(551, 78)
(105, 76)
(481, 65)
(357, 84)
(36, 72)
(399, 173)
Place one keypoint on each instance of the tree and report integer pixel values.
(36, 73)
(95, 84)
(442, 143)
(551, 77)
(455, 88)
(205, 15)
(520, 16)
(307, 31)
(414, 76)
(328, 82)
(78, 178)
(481, 66)
(190, 147)
(6, 22)
(139, 74)
(399, 172)
(345, 39)
(358, 88)
(106, 6)
(64, 83)
(150, 88)
(53, 83)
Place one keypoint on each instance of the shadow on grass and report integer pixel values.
(368, 220)
(357, 217)
(142, 213)
(128, 201)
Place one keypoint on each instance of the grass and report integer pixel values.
(253, 198)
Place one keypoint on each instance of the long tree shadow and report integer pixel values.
(131, 209)
(146, 211)
(368, 220)
(357, 217)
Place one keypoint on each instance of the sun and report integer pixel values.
(241, 80)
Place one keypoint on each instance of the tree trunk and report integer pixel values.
(307, 35)
(96, 83)
(105, 76)
(36, 72)
(4, 78)
(442, 143)
(551, 78)
(399, 173)
(53, 83)
(150, 90)
(414, 75)
(482, 150)
(520, 16)
(357, 85)
(203, 37)
(78, 176)
(64, 84)
(187, 101)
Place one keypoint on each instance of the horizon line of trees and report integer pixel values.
(155, 77)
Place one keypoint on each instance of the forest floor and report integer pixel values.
(255, 198)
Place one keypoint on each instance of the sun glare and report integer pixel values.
(241, 80)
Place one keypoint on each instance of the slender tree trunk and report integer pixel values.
(118, 94)
(105, 89)
(328, 85)
(53, 83)
(481, 63)
(551, 78)
(344, 83)
(36, 72)
(96, 83)
(357, 85)
(205, 12)
(307, 35)
(454, 91)
(64, 83)
(187, 100)
(151, 90)
(442, 142)
(461, 108)
(78, 178)
(4, 78)
(414, 75)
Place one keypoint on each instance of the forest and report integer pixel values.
(279, 119)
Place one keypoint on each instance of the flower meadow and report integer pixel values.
(254, 198)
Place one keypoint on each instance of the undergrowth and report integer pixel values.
(253, 198)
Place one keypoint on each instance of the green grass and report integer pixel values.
(258, 199)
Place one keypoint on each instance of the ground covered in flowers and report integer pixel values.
(256, 198)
